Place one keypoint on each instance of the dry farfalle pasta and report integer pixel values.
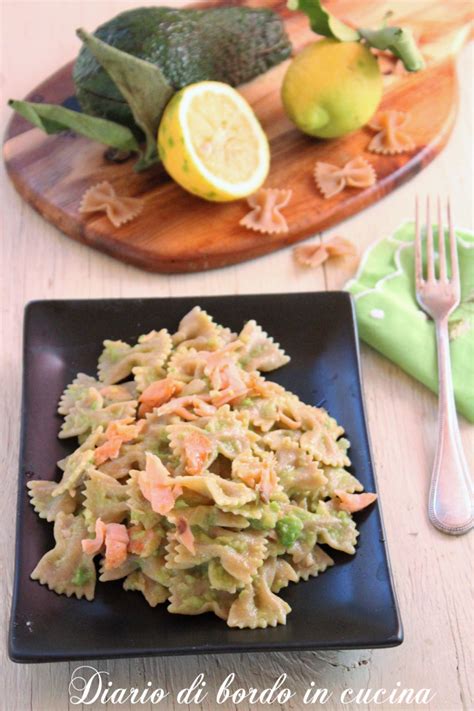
(103, 198)
(313, 255)
(331, 180)
(392, 137)
(212, 491)
(265, 215)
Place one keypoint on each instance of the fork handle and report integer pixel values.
(450, 506)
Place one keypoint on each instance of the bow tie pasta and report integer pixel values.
(196, 480)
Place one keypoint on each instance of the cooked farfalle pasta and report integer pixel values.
(196, 480)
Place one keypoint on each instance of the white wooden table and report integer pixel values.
(431, 570)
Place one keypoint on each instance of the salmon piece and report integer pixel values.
(197, 450)
(91, 546)
(263, 478)
(218, 362)
(268, 483)
(115, 537)
(354, 502)
(219, 372)
(226, 378)
(179, 406)
(157, 394)
(202, 408)
(109, 450)
(232, 386)
(257, 385)
(116, 544)
(185, 414)
(116, 434)
(157, 486)
(185, 535)
(228, 396)
(143, 541)
(163, 498)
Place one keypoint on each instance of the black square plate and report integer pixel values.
(351, 606)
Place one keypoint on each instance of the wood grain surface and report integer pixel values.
(431, 571)
(177, 232)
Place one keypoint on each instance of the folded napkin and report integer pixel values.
(390, 320)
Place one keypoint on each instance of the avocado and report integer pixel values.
(288, 530)
(228, 44)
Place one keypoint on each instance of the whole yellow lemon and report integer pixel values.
(332, 88)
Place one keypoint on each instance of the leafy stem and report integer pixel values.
(398, 40)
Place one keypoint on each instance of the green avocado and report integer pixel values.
(228, 44)
(289, 529)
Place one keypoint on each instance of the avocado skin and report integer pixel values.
(228, 44)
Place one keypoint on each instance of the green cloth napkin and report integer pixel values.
(391, 321)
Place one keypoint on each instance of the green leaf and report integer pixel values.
(142, 85)
(399, 41)
(322, 22)
(55, 119)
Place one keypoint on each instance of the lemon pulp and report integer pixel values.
(212, 144)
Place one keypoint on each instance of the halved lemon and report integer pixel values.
(211, 142)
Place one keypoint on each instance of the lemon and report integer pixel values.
(332, 88)
(212, 144)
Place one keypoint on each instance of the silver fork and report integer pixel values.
(450, 505)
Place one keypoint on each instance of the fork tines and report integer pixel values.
(430, 255)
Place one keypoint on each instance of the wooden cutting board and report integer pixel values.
(177, 232)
